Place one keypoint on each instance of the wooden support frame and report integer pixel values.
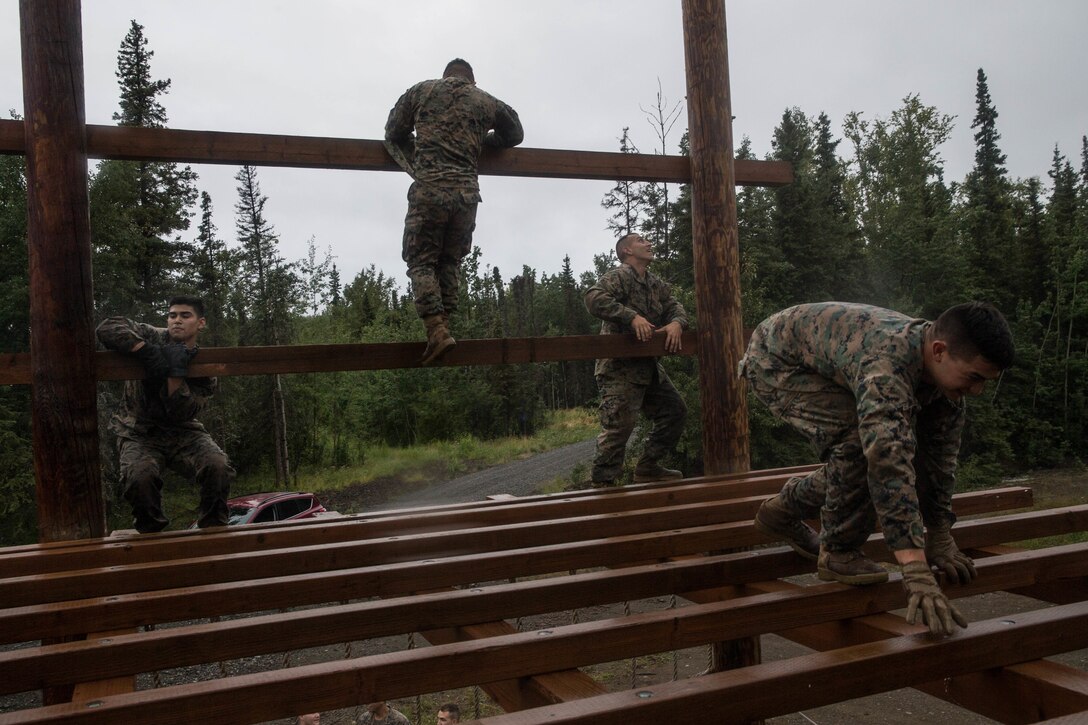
(640, 541)
(467, 623)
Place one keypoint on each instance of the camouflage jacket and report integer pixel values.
(910, 432)
(145, 404)
(452, 119)
(616, 299)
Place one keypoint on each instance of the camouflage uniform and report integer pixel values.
(628, 385)
(849, 377)
(395, 717)
(155, 430)
(451, 118)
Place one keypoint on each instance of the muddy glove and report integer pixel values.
(154, 362)
(178, 357)
(942, 552)
(924, 595)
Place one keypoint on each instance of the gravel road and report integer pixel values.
(520, 478)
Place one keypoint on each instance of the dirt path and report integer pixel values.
(519, 478)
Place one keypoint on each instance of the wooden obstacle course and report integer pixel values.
(625, 544)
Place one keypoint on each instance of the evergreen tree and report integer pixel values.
(138, 208)
(988, 235)
(624, 199)
(17, 508)
(906, 208)
(273, 291)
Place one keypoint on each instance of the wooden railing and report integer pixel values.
(217, 147)
(15, 368)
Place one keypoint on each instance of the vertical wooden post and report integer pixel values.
(65, 420)
(717, 262)
(714, 234)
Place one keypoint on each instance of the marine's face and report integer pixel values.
(956, 377)
(639, 248)
(183, 323)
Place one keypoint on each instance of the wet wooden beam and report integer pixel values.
(82, 612)
(124, 654)
(518, 655)
(802, 683)
(313, 152)
(224, 361)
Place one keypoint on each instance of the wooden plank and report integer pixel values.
(216, 147)
(199, 570)
(267, 360)
(143, 608)
(144, 549)
(162, 649)
(801, 683)
(1020, 693)
(265, 695)
(19, 591)
(90, 690)
(300, 533)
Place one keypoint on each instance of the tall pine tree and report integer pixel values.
(138, 208)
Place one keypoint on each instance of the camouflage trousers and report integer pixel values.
(839, 493)
(193, 454)
(437, 235)
(621, 402)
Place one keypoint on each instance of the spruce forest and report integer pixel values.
(869, 218)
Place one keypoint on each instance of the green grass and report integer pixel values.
(418, 463)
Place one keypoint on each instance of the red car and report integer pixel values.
(259, 508)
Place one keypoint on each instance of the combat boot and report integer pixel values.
(646, 472)
(774, 519)
(849, 567)
(439, 341)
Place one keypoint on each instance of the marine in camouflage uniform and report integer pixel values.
(850, 378)
(623, 298)
(880, 395)
(453, 120)
(157, 428)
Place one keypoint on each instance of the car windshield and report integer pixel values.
(238, 515)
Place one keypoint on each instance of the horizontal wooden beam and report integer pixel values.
(268, 360)
(217, 147)
(272, 694)
(388, 549)
(125, 654)
(809, 681)
(84, 612)
(86, 554)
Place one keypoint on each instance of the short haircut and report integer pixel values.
(453, 709)
(459, 66)
(191, 300)
(976, 328)
(621, 243)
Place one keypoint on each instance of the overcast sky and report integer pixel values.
(577, 71)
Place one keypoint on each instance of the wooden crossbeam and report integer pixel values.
(315, 532)
(217, 147)
(127, 654)
(303, 560)
(266, 360)
(805, 682)
(505, 657)
(116, 611)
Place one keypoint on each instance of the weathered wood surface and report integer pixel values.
(64, 425)
(805, 682)
(517, 655)
(266, 360)
(218, 147)
(714, 238)
(397, 555)
(787, 609)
